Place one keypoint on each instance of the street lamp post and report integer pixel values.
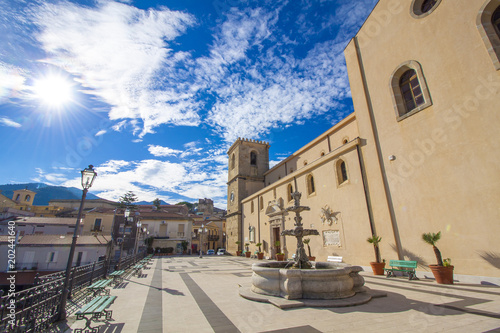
(88, 176)
(201, 241)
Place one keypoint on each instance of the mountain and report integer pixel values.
(45, 193)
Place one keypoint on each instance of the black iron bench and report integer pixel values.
(94, 310)
(405, 266)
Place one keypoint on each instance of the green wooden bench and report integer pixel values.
(100, 286)
(138, 269)
(117, 277)
(405, 266)
(94, 310)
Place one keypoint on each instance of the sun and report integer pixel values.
(54, 90)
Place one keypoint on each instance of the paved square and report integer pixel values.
(189, 294)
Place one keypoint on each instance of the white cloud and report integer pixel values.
(118, 51)
(8, 122)
(12, 81)
(162, 151)
(101, 132)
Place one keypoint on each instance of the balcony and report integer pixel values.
(213, 238)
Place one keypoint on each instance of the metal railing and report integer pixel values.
(36, 309)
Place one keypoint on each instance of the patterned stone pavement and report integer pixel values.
(191, 294)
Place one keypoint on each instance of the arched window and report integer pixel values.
(27, 198)
(496, 21)
(232, 162)
(251, 207)
(253, 158)
(289, 192)
(410, 92)
(310, 184)
(261, 203)
(341, 172)
(488, 23)
(18, 197)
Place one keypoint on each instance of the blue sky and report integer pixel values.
(153, 93)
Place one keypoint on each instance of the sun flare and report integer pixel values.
(54, 91)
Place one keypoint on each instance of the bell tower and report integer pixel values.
(248, 162)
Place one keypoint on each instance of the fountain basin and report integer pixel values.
(325, 281)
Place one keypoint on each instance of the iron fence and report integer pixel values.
(36, 309)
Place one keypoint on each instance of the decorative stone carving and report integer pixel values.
(328, 216)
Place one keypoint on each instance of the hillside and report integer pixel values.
(45, 193)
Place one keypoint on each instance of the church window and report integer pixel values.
(496, 21)
(489, 29)
(422, 8)
(18, 197)
(261, 203)
(289, 192)
(410, 91)
(251, 207)
(341, 172)
(253, 158)
(232, 162)
(231, 197)
(310, 184)
(27, 198)
(428, 5)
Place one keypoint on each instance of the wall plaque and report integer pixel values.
(331, 237)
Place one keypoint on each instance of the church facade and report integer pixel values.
(419, 154)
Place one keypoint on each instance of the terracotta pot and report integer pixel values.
(312, 258)
(260, 255)
(247, 254)
(443, 275)
(377, 268)
(238, 253)
(280, 257)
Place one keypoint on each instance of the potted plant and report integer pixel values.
(247, 251)
(377, 265)
(238, 252)
(306, 241)
(260, 254)
(443, 271)
(280, 256)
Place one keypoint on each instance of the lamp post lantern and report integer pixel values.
(88, 176)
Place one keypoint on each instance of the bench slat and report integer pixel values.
(97, 305)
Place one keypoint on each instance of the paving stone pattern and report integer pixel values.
(191, 294)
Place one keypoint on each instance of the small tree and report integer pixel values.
(246, 246)
(277, 244)
(306, 241)
(375, 240)
(184, 245)
(128, 201)
(432, 238)
(259, 245)
(157, 203)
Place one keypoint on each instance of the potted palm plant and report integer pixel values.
(238, 251)
(306, 241)
(377, 265)
(260, 254)
(280, 256)
(247, 250)
(443, 271)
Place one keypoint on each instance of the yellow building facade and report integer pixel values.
(419, 154)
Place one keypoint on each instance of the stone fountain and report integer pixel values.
(301, 283)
